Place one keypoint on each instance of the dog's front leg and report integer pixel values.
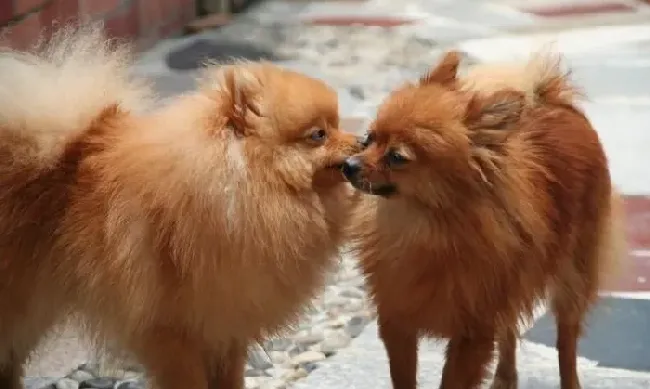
(172, 361)
(227, 368)
(505, 376)
(402, 348)
(467, 362)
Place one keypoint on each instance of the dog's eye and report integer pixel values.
(368, 139)
(318, 135)
(395, 159)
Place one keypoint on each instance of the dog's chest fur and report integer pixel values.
(444, 278)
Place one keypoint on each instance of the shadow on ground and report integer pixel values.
(195, 54)
(614, 337)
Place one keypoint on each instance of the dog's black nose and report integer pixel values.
(351, 167)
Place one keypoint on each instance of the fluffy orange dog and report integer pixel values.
(488, 200)
(184, 233)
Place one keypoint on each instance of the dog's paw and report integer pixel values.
(502, 383)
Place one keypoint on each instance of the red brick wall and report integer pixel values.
(143, 21)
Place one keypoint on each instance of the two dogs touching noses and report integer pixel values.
(185, 233)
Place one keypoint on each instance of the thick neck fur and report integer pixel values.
(191, 186)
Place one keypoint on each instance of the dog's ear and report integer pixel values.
(445, 72)
(240, 90)
(491, 120)
(499, 111)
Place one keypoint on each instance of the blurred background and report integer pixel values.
(364, 48)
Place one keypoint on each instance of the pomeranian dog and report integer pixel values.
(491, 195)
(181, 233)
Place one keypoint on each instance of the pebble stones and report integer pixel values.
(98, 383)
(131, 384)
(66, 383)
(77, 381)
(337, 317)
(89, 376)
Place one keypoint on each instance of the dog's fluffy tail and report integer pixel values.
(55, 91)
(613, 248)
(550, 84)
(541, 78)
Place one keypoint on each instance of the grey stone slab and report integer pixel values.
(363, 365)
(153, 60)
(616, 334)
(194, 54)
(38, 382)
(172, 83)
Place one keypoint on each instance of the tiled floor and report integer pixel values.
(579, 9)
(376, 21)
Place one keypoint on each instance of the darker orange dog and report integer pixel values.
(487, 200)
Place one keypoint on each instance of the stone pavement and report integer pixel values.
(609, 53)
(363, 365)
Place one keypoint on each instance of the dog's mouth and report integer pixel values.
(373, 188)
(336, 166)
(330, 174)
(353, 171)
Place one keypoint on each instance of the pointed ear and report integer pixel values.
(445, 72)
(239, 88)
(500, 110)
(490, 120)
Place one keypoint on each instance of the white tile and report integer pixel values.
(586, 40)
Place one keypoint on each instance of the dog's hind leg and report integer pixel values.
(11, 372)
(505, 376)
(19, 337)
(172, 359)
(467, 362)
(599, 246)
(227, 371)
(15, 349)
(573, 295)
